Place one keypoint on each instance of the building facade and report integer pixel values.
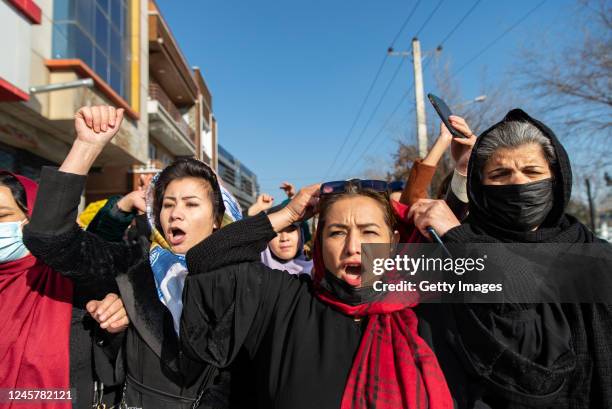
(68, 40)
(128, 51)
(239, 179)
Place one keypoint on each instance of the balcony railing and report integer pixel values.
(157, 93)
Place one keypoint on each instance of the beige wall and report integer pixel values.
(57, 108)
(41, 49)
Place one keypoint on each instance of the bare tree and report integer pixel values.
(479, 115)
(574, 89)
(576, 83)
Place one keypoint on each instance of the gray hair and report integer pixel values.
(513, 134)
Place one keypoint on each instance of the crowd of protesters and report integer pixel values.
(171, 297)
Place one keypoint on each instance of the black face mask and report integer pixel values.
(519, 207)
(347, 293)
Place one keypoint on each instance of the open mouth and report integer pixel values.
(177, 236)
(353, 274)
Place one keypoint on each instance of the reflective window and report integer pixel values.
(64, 10)
(115, 78)
(102, 30)
(96, 32)
(116, 46)
(116, 7)
(85, 15)
(101, 66)
(104, 5)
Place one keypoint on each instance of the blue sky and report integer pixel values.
(288, 77)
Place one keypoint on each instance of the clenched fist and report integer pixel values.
(98, 124)
(109, 313)
(95, 127)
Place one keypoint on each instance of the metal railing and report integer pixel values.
(157, 93)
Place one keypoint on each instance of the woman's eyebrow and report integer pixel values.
(366, 225)
(498, 169)
(339, 225)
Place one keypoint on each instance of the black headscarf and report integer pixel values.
(589, 384)
(557, 227)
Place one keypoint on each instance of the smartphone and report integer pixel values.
(444, 112)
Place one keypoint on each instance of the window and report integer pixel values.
(227, 174)
(97, 32)
(102, 30)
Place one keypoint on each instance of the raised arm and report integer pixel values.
(53, 234)
(95, 127)
(230, 299)
(264, 202)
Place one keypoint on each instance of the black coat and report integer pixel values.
(301, 349)
(156, 374)
(93, 351)
(516, 355)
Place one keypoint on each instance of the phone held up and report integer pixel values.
(444, 112)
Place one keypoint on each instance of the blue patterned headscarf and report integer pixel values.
(169, 268)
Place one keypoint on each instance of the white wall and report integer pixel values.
(207, 142)
(15, 43)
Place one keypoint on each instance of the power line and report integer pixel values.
(363, 104)
(429, 17)
(487, 47)
(427, 20)
(374, 112)
(498, 38)
(465, 16)
(448, 35)
(371, 88)
(405, 23)
(387, 121)
(385, 124)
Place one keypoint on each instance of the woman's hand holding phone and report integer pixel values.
(461, 148)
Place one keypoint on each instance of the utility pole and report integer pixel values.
(419, 89)
(419, 94)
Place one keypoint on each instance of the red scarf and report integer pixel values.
(394, 367)
(35, 315)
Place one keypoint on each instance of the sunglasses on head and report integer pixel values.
(342, 186)
(396, 186)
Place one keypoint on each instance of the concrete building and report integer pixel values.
(59, 41)
(173, 95)
(128, 51)
(239, 179)
(208, 123)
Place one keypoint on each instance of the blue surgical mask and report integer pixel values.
(11, 242)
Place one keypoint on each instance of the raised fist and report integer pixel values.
(98, 124)
(288, 188)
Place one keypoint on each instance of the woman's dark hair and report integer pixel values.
(16, 189)
(382, 199)
(184, 168)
